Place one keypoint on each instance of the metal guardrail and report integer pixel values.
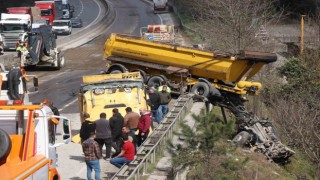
(155, 143)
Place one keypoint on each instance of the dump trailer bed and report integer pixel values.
(199, 63)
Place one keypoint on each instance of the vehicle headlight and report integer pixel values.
(98, 91)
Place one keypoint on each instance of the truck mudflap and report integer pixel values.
(253, 131)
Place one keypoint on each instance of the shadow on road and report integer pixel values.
(77, 178)
(77, 158)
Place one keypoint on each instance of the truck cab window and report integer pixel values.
(51, 132)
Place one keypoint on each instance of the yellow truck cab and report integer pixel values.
(102, 93)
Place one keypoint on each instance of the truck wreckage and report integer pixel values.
(222, 79)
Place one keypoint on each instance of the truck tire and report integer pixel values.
(155, 81)
(143, 74)
(13, 83)
(241, 139)
(115, 72)
(201, 88)
(5, 145)
(116, 69)
(60, 61)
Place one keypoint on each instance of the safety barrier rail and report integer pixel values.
(155, 143)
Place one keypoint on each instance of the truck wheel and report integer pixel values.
(143, 74)
(241, 139)
(201, 88)
(155, 81)
(115, 72)
(5, 145)
(60, 61)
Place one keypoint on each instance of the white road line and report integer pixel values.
(67, 105)
(160, 19)
(93, 22)
(82, 8)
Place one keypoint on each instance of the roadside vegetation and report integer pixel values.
(290, 97)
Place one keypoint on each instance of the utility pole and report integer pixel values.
(302, 34)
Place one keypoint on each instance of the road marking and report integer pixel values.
(93, 22)
(67, 105)
(82, 8)
(160, 18)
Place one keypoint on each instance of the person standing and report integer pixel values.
(116, 124)
(131, 119)
(92, 154)
(126, 155)
(143, 126)
(154, 102)
(165, 98)
(86, 128)
(103, 134)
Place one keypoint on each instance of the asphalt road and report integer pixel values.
(61, 87)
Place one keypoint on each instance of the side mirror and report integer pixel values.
(66, 131)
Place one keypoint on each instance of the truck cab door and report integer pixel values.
(63, 124)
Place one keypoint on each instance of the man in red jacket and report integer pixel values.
(143, 126)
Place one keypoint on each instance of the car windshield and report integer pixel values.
(60, 24)
(46, 12)
(13, 28)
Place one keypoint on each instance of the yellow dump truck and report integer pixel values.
(102, 93)
(221, 78)
(185, 69)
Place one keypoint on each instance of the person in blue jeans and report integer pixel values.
(126, 155)
(154, 102)
(92, 154)
(165, 98)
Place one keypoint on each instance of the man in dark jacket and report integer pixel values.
(165, 98)
(154, 102)
(116, 124)
(143, 126)
(87, 127)
(103, 134)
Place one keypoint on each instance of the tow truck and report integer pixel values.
(28, 131)
(220, 78)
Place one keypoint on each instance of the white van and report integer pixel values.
(62, 27)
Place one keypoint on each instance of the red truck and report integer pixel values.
(50, 10)
(33, 11)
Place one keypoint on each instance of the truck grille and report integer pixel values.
(10, 41)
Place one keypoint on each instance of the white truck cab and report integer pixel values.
(13, 27)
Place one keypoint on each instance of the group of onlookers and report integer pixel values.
(120, 132)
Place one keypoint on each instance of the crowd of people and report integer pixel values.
(119, 132)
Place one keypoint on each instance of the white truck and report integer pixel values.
(160, 6)
(13, 27)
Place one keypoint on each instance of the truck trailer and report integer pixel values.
(216, 78)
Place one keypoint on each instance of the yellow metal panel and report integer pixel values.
(99, 78)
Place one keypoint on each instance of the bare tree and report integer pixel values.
(229, 25)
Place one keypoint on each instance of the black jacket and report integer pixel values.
(86, 128)
(154, 101)
(116, 124)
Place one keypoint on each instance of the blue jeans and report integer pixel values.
(119, 162)
(156, 115)
(95, 165)
(163, 110)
